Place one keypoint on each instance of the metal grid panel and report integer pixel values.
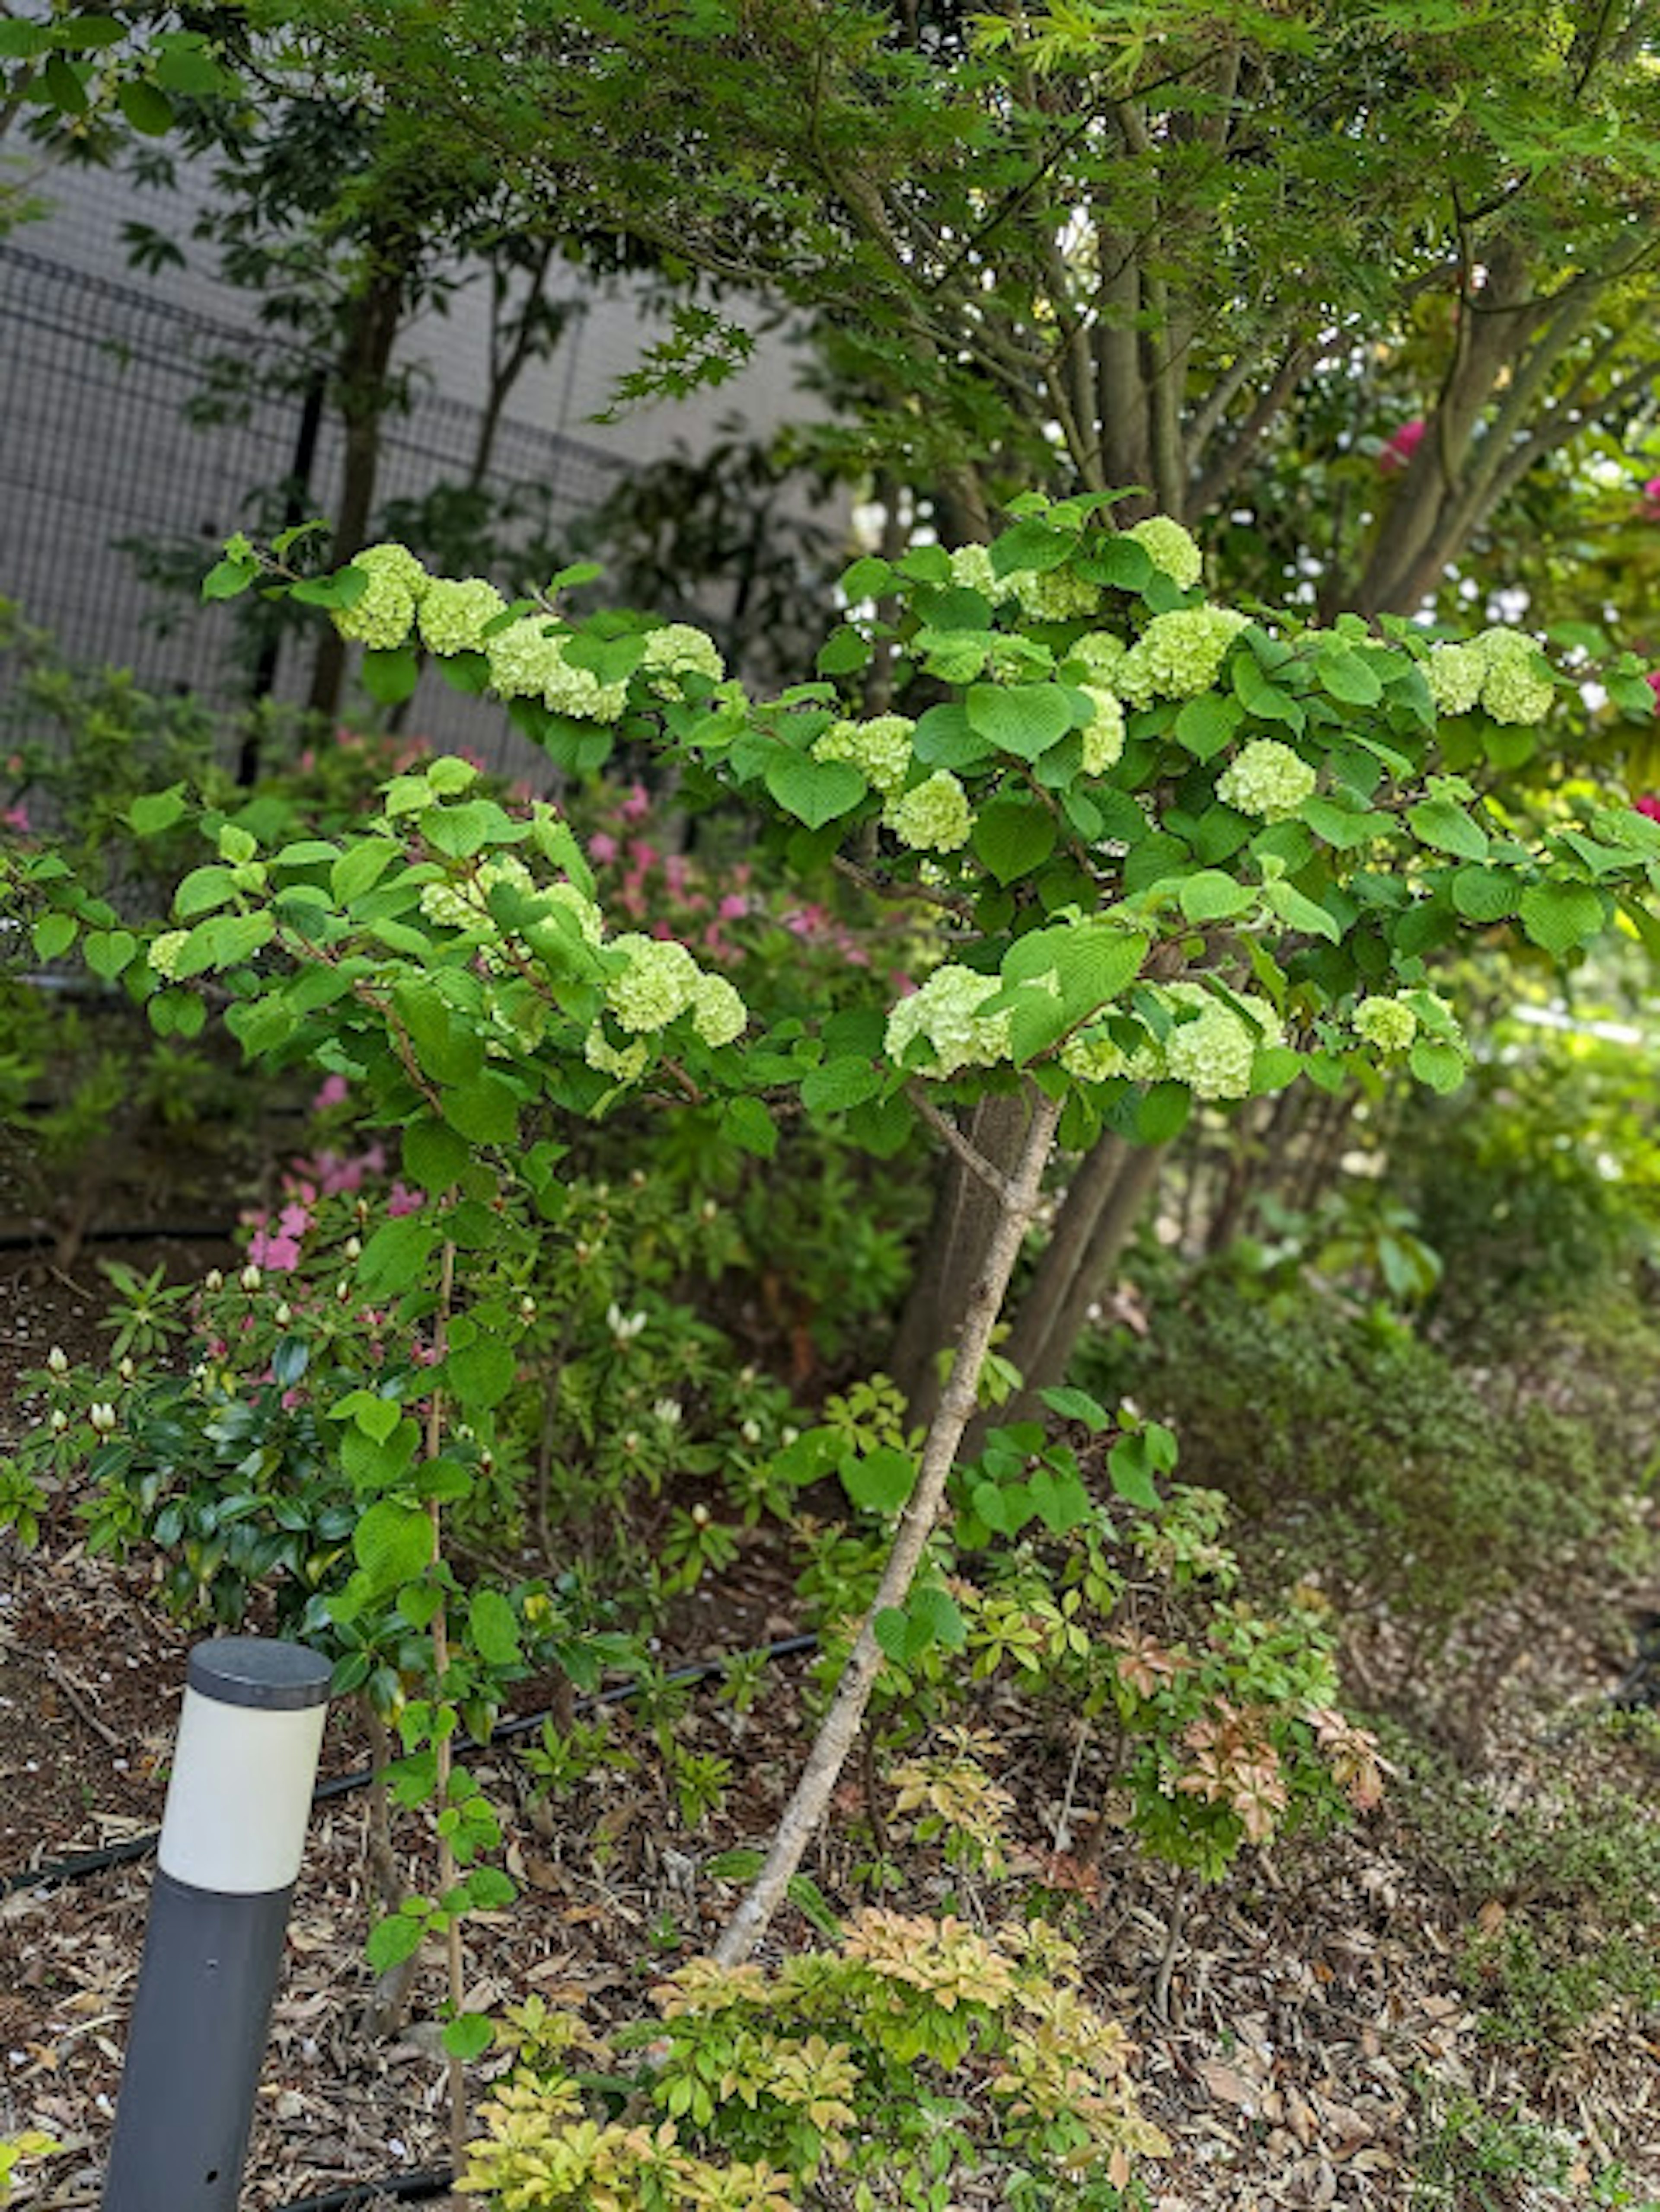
(96, 447)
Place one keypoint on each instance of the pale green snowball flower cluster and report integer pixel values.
(880, 748)
(453, 616)
(1389, 1024)
(1213, 1052)
(1102, 655)
(1499, 671)
(679, 650)
(1170, 548)
(1104, 733)
(935, 817)
(527, 661)
(381, 616)
(1179, 654)
(1052, 594)
(1266, 778)
(971, 569)
(165, 951)
(662, 982)
(944, 1012)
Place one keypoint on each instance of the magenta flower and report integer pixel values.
(402, 1200)
(17, 818)
(1399, 449)
(280, 1253)
(636, 805)
(1648, 804)
(602, 848)
(292, 1221)
(334, 1090)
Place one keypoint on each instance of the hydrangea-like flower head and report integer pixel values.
(1389, 1024)
(718, 1014)
(935, 817)
(1169, 547)
(1454, 674)
(945, 1012)
(453, 616)
(660, 982)
(1052, 594)
(1513, 689)
(676, 650)
(1103, 734)
(879, 749)
(524, 657)
(1267, 779)
(1179, 654)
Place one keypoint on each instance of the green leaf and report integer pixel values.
(1023, 719)
(481, 1374)
(1127, 1470)
(223, 941)
(469, 2035)
(394, 1259)
(748, 1123)
(393, 1940)
(107, 951)
(391, 1543)
(493, 1628)
(867, 580)
(1485, 894)
(839, 1084)
(814, 792)
(1442, 1066)
(1207, 723)
(1012, 836)
(1212, 896)
(203, 890)
(1077, 1405)
(434, 1157)
(1162, 1113)
(53, 934)
(157, 810)
(486, 1110)
(361, 867)
(1559, 916)
(881, 1480)
(227, 578)
(390, 678)
(1261, 697)
(843, 651)
(1444, 826)
(1342, 826)
(1345, 676)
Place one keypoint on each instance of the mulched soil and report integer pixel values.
(1291, 2023)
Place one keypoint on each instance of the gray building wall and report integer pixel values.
(99, 366)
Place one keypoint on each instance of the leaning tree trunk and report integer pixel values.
(1015, 1200)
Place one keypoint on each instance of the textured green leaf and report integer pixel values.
(1559, 916)
(1013, 836)
(814, 792)
(494, 1627)
(391, 1543)
(1023, 719)
(839, 1084)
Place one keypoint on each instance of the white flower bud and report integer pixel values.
(750, 1433)
(126, 1370)
(283, 1314)
(631, 1442)
(57, 1360)
(102, 1418)
(354, 1247)
(668, 1411)
(213, 1280)
(60, 1420)
(343, 1292)
(250, 1278)
(699, 1515)
(527, 1308)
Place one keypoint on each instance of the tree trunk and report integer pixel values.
(362, 401)
(1057, 1324)
(839, 1728)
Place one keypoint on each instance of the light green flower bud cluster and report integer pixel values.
(662, 982)
(1389, 1024)
(1179, 654)
(1103, 734)
(524, 657)
(579, 692)
(935, 817)
(1512, 690)
(971, 570)
(1170, 548)
(676, 650)
(1212, 1052)
(1498, 671)
(1052, 594)
(1454, 674)
(944, 1012)
(453, 616)
(587, 914)
(1266, 778)
(1102, 655)
(628, 1065)
(165, 950)
(879, 749)
(381, 617)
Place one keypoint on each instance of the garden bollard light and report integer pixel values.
(231, 1835)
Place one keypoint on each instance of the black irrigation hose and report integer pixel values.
(432, 2181)
(342, 1785)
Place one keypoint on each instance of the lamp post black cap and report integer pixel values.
(259, 1670)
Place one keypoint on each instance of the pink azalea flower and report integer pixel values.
(334, 1090)
(1651, 498)
(645, 855)
(292, 1221)
(1650, 804)
(1399, 449)
(280, 1253)
(734, 907)
(602, 849)
(400, 1200)
(17, 818)
(636, 805)
(1652, 680)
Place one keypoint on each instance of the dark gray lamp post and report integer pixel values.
(231, 1840)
